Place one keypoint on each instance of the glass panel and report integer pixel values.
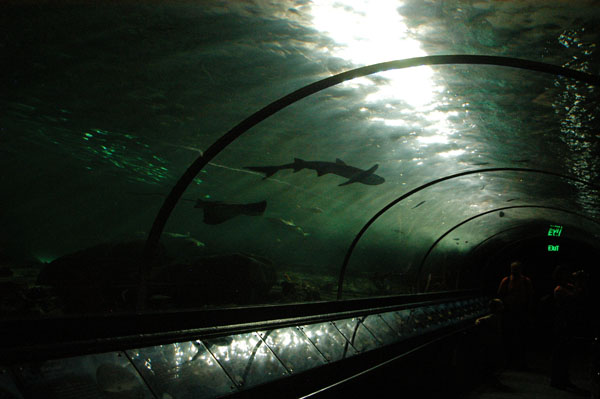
(380, 329)
(356, 333)
(106, 375)
(184, 370)
(246, 358)
(329, 341)
(399, 321)
(293, 348)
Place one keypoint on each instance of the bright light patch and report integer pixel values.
(436, 139)
(452, 153)
(368, 32)
(411, 85)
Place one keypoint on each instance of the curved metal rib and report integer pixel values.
(424, 186)
(221, 143)
(440, 238)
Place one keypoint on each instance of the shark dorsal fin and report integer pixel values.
(372, 170)
(339, 161)
(298, 164)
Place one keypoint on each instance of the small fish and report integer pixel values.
(216, 212)
(419, 204)
(289, 225)
(512, 199)
(197, 243)
(177, 235)
(339, 167)
(501, 214)
(186, 237)
(313, 209)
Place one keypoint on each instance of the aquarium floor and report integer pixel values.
(534, 382)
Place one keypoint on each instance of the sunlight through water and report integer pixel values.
(368, 32)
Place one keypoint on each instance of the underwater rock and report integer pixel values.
(221, 279)
(301, 291)
(97, 279)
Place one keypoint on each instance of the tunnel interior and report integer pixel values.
(159, 177)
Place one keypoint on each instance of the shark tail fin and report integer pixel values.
(357, 177)
(267, 170)
(298, 164)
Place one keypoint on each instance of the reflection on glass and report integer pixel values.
(293, 348)
(182, 370)
(91, 376)
(356, 333)
(380, 329)
(246, 359)
(329, 341)
(398, 321)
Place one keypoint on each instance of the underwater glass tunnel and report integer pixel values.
(179, 178)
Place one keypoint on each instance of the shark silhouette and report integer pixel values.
(339, 167)
(216, 212)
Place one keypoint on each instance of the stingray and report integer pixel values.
(216, 212)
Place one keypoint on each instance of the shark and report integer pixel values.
(339, 167)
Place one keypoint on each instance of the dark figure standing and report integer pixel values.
(490, 326)
(566, 297)
(516, 292)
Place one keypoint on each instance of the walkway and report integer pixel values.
(534, 383)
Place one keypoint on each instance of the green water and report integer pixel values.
(105, 106)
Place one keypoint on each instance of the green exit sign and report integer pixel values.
(555, 230)
(553, 248)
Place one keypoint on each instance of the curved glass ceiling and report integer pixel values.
(105, 107)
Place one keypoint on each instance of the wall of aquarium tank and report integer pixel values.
(105, 106)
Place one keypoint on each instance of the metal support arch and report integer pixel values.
(440, 238)
(424, 186)
(220, 144)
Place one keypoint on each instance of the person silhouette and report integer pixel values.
(566, 298)
(516, 293)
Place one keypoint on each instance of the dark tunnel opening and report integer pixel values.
(539, 264)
